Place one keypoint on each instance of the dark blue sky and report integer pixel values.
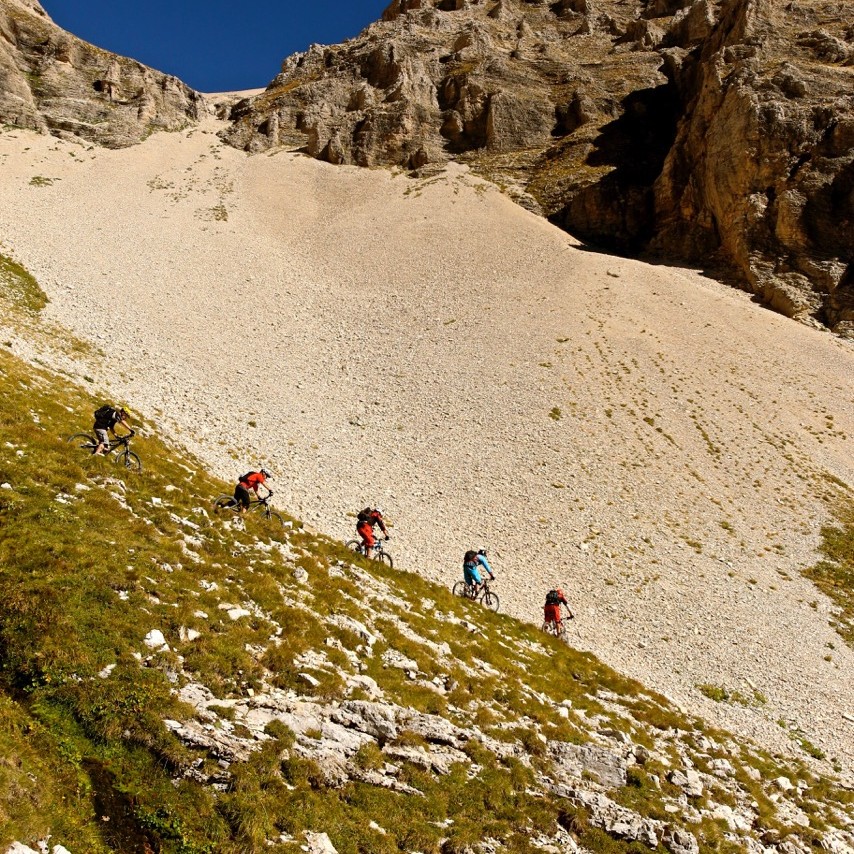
(214, 45)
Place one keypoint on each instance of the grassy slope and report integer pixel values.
(89, 563)
(89, 569)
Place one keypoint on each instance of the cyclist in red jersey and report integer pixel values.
(365, 522)
(250, 481)
(551, 610)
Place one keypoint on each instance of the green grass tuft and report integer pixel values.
(19, 288)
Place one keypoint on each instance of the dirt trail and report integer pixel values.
(644, 436)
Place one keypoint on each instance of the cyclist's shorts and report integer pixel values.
(366, 532)
(551, 613)
(103, 436)
(471, 576)
(241, 495)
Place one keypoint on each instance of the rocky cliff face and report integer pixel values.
(51, 81)
(713, 133)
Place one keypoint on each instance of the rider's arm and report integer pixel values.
(124, 424)
(382, 526)
(481, 559)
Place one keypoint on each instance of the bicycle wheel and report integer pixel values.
(384, 557)
(548, 627)
(224, 502)
(460, 589)
(129, 460)
(276, 517)
(490, 600)
(86, 441)
(354, 546)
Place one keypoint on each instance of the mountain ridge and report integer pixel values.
(711, 133)
(52, 81)
(697, 132)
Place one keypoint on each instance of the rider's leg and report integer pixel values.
(367, 535)
(242, 497)
(472, 579)
(103, 442)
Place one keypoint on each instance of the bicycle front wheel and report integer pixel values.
(384, 557)
(86, 441)
(276, 517)
(129, 460)
(490, 600)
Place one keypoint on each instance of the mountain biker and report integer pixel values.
(106, 419)
(551, 610)
(471, 570)
(366, 520)
(250, 481)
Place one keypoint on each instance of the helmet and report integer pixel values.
(123, 411)
(266, 472)
(482, 552)
(378, 510)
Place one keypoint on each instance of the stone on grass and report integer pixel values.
(319, 843)
(679, 841)
(688, 780)
(155, 640)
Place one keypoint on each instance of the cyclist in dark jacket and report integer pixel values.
(106, 419)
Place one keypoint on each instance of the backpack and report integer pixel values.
(553, 597)
(106, 414)
(245, 477)
(364, 515)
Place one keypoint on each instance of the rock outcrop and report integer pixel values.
(717, 133)
(51, 81)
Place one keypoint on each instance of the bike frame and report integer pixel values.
(115, 444)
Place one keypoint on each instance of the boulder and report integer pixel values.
(374, 719)
(572, 761)
(679, 841)
(319, 843)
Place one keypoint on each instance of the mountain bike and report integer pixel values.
(229, 504)
(478, 593)
(377, 551)
(553, 627)
(125, 457)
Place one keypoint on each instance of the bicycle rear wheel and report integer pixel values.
(86, 441)
(129, 460)
(354, 546)
(224, 502)
(490, 600)
(384, 557)
(460, 589)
